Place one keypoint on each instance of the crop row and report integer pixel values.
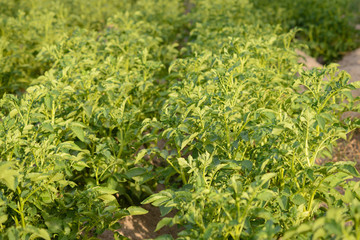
(247, 137)
(68, 143)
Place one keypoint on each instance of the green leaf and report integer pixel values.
(9, 175)
(188, 140)
(13, 113)
(88, 109)
(137, 171)
(157, 199)
(267, 176)
(277, 130)
(37, 176)
(347, 167)
(183, 163)
(266, 195)
(107, 198)
(3, 218)
(140, 155)
(38, 233)
(321, 121)
(54, 224)
(134, 210)
(79, 132)
(298, 199)
(356, 84)
(164, 237)
(47, 127)
(270, 114)
(163, 222)
(70, 146)
(105, 190)
(48, 100)
(79, 165)
(283, 202)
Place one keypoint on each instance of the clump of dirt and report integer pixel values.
(309, 62)
(143, 226)
(349, 150)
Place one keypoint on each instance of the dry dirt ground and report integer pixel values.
(143, 226)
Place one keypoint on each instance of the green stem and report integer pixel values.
(307, 144)
(327, 99)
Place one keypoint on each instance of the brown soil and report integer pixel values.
(143, 226)
(348, 150)
(309, 62)
(351, 64)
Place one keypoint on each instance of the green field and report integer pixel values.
(102, 101)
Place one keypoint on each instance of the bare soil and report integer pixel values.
(351, 64)
(143, 226)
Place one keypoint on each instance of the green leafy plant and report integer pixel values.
(68, 145)
(327, 27)
(246, 137)
(116, 97)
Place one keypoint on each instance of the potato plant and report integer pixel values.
(68, 144)
(206, 97)
(245, 138)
